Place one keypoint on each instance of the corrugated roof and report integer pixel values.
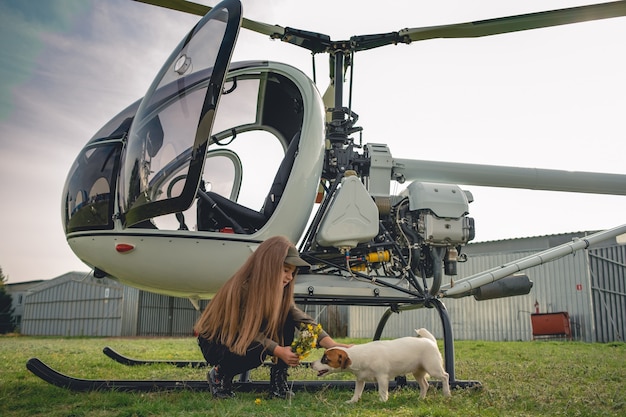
(532, 243)
(86, 277)
(580, 233)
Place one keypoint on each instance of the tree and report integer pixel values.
(6, 310)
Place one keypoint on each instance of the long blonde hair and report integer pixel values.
(253, 300)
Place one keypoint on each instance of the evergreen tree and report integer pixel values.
(6, 310)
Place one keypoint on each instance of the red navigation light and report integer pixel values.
(124, 247)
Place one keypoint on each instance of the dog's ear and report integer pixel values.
(345, 361)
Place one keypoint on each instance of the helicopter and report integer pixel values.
(170, 196)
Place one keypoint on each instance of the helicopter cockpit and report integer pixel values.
(257, 127)
(210, 148)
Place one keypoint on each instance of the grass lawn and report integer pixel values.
(544, 378)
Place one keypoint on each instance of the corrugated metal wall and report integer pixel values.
(74, 307)
(77, 304)
(589, 285)
(160, 315)
(130, 312)
(554, 289)
(562, 285)
(333, 318)
(608, 285)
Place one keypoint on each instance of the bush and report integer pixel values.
(6, 310)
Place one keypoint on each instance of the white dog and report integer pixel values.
(385, 359)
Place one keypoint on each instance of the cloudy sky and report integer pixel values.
(549, 98)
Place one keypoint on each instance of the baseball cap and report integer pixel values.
(293, 258)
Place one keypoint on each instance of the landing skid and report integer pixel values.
(243, 379)
(58, 379)
(243, 384)
(125, 360)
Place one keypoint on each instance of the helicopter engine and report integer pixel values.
(430, 223)
(422, 229)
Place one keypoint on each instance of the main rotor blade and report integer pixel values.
(509, 177)
(318, 42)
(518, 22)
(273, 31)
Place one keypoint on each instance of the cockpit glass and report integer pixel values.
(168, 137)
(89, 193)
(260, 153)
(238, 104)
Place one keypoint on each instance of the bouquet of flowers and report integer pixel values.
(306, 340)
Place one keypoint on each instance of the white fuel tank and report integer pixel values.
(352, 217)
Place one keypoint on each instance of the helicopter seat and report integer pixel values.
(280, 180)
(216, 212)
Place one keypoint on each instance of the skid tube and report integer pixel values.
(125, 360)
(448, 342)
(244, 384)
(54, 377)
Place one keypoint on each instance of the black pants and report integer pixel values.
(232, 364)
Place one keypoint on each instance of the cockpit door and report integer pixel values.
(169, 134)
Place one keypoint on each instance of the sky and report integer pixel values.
(550, 98)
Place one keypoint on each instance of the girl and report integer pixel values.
(254, 315)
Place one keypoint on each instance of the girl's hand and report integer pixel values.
(285, 354)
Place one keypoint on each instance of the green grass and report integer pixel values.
(519, 379)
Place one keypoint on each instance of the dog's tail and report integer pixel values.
(425, 333)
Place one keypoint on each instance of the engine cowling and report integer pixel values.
(432, 224)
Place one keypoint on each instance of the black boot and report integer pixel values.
(278, 382)
(221, 385)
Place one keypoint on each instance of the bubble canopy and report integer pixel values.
(177, 113)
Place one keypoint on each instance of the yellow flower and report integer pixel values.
(306, 340)
(257, 401)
